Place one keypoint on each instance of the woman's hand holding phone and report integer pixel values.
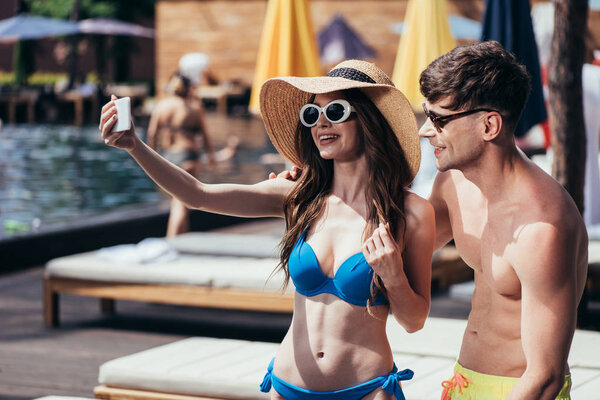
(116, 125)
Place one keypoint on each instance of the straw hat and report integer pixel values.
(282, 98)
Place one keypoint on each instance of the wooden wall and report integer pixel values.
(229, 31)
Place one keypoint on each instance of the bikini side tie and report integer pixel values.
(392, 383)
(265, 386)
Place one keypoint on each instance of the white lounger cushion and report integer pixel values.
(222, 272)
(195, 366)
(227, 244)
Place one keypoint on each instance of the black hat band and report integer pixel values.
(351, 73)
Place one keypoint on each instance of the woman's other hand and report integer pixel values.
(383, 253)
(125, 140)
(292, 175)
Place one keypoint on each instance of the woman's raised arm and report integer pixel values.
(262, 199)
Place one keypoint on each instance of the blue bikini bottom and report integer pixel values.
(390, 383)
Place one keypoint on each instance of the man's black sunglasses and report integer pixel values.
(439, 121)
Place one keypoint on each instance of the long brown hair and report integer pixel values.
(388, 173)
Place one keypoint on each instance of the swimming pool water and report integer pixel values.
(53, 174)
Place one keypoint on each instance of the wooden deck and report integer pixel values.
(36, 361)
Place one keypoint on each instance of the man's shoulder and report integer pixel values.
(416, 207)
(544, 197)
(547, 215)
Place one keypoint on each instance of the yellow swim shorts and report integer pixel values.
(470, 385)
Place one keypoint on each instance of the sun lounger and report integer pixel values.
(222, 270)
(207, 368)
(195, 278)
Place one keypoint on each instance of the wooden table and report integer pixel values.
(219, 93)
(27, 97)
(78, 99)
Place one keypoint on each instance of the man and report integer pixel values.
(512, 223)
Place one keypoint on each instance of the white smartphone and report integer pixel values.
(123, 114)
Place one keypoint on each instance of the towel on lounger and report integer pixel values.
(150, 250)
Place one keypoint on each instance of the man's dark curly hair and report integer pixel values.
(482, 75)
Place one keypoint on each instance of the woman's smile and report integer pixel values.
(327, 138)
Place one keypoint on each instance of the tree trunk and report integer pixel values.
(73, 44)
(23, 61)
(23, 52)
(566, 97)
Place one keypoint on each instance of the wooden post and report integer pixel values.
(31, 110)
(107, 306)
(566, 96)
(51, 304)
(12, 111)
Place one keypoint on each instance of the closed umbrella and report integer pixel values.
(427, 37)
(509, 22)
(25, 27)
(338, 42)
(287, 46)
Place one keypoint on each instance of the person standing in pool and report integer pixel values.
(177, 128)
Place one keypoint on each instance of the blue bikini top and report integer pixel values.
(351, 282)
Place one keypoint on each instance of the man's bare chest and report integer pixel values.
(487, 242)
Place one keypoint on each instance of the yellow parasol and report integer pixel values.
(426, 37)
(287, 46)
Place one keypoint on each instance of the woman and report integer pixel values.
(356, 244)
(178, 129)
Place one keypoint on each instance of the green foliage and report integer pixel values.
(97, 9)
(51, 8)
(46, 78)
(121, 9)
(35, 79)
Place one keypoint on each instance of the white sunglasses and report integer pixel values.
(336, 112)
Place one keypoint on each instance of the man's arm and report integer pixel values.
(443, 229)
(545, 257)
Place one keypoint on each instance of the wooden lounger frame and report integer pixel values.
(199, 296)
(111, 393)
